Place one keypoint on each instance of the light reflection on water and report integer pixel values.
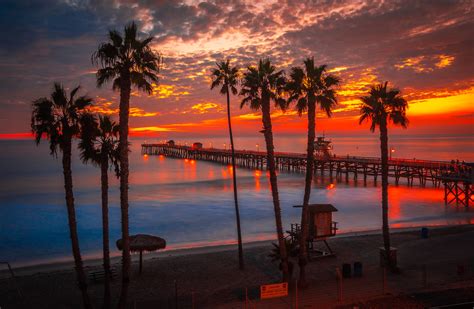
(188, 202)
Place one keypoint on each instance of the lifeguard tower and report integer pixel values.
(322, 148)
(320, 227)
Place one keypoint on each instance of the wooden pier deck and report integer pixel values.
(456, 178)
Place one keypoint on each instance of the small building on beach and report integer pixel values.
(320, 227)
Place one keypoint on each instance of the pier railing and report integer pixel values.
(456, 177)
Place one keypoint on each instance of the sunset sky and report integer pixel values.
(425, 48)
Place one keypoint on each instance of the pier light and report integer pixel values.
(225, 147)
(392, 150)
(330, 186)
(257, 146)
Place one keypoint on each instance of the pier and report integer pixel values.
(456, 178)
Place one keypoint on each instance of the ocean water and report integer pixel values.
(190, 203)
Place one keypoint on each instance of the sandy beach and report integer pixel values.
(208, 277)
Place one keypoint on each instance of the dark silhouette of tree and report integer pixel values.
(380, 107)
(309, 86)
(260, 86)
(227, 76)
(126, 61)
(99, 145)
(57, 118)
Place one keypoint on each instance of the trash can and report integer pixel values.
(346, 270)
(357, 269)
(424, 232)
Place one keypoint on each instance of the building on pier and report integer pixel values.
(197, 145)
(322, 148)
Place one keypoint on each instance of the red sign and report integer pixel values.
(274, 290)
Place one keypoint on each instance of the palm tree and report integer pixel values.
(309, 86)
(57, 118)
(126, 60)
(227, 76)
(380, 107)
(260, 85)
(99, 146)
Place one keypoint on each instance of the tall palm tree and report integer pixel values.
(227, 76)
(260, 86)
(380, 107)
(126, 61)
(99, 146)
(309, 86)
(57, 118)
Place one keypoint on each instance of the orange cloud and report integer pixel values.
(444, 61)
(337, 69)
(203, 108)
(425, 64)
(163, 91)
(355, 86)
(105, 107)
(138, 112)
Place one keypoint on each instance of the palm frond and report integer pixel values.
(383, 104)
(127, 54)
(138, 80)
(58, 118)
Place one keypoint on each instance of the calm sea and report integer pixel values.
(190, 203)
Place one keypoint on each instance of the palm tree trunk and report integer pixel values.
(71, 215)
(104, 166)
(125, 88)
(267, 125)
(234, 178)
(303, 252)
(384, 157)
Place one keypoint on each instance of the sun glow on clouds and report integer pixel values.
(105, 107)
(176, 46)
(451, 104)
(203, 108)
(337, 69)
(149, 129)
(444, 61)
(425, 64)
(163, 91)
(356, 85)
(194, 34)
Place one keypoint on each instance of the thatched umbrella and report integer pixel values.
(143, 242)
